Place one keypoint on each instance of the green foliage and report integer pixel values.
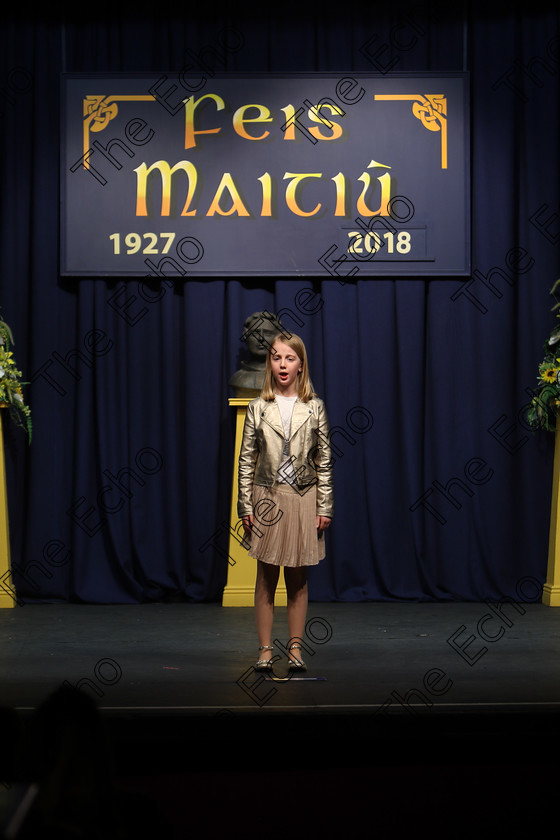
(11, 393)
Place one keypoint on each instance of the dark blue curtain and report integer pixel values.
(442, 492)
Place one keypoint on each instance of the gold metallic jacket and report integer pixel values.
(262, 447)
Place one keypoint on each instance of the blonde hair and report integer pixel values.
(305, 386)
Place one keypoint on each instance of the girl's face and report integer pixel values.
(285, 364)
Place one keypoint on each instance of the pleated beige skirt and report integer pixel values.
(285, 526)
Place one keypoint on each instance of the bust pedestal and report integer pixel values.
(240, 587)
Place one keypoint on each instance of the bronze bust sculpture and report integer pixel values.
(258, 331)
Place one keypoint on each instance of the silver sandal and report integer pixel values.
(263, 664)
(296, 664)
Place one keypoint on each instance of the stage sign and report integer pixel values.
(266, 175)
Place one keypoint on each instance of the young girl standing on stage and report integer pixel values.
(285, 490)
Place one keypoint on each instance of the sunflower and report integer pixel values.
(544, 409)
(548, 373)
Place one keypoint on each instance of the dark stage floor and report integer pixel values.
(467, 691)
(195, 659)
(370, 665)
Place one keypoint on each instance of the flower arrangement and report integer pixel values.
(11, 396)
(545, 403)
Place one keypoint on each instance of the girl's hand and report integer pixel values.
(323, 523)
(248, 524)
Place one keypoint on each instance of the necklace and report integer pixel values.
(286, 408)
